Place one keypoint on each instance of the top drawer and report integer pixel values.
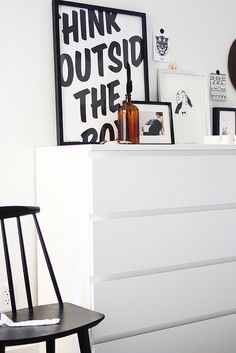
(123, 183)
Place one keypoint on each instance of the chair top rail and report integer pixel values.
(17, 211)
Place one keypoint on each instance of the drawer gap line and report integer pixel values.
(163, 269)
(164, 326)
(164, 211)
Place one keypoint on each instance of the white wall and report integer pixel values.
(201, 33)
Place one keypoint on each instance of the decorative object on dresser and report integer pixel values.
(128, 115)
(36, 323)
(224, 121)
(93, 45)
(190, 103)
(155, 122)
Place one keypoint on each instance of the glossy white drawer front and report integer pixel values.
(139, 243)
(135, 303)
(213, 336)
(143, 182)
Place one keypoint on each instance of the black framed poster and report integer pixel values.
(92, 46)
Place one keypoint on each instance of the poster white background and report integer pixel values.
(73, 125)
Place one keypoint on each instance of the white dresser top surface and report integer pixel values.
(112, 146)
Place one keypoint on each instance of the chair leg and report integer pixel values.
(2, 349)
(50, 346)
(84, 341)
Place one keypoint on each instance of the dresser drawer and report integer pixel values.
(139, 302)
(211, 336)
(145, 181)
(142, 243)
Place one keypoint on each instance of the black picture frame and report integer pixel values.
(148, 113)
(92, 46)
(224, 121)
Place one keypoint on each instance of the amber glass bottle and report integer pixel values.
(128, 121)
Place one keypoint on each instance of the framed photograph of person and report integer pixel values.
(155, 122)
(190, 104)
(224, 121)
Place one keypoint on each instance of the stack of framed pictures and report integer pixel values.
(92, 48)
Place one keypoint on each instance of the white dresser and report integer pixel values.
(146, 235)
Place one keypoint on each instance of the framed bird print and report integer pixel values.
(190, 104)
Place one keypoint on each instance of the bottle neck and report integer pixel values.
(128, 98)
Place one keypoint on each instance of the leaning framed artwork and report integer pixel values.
(155, 122)
(93, 46)
(224, 121)
(190, 103)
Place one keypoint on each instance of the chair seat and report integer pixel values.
(73, 319)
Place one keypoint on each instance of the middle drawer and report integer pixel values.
(142, 243)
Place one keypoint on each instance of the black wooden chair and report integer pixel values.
(73, 319)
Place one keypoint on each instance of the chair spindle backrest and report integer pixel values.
(16, 212)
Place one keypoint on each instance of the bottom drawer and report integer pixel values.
(132, 304)
(212, 336)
